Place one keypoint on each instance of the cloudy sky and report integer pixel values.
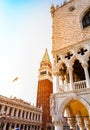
(25, 33)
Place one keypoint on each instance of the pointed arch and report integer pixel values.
(69, 99)
(78, 71)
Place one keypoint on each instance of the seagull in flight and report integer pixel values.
(15, 79)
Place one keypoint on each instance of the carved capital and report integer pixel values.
(87, 122)
(85, 65)
(58, 123)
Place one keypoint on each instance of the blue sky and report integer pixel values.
(25, 33)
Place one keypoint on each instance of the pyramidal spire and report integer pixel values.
(45, 57)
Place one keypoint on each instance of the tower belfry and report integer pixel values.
(45, 71)
(45, 88)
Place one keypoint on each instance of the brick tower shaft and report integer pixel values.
(45, 88)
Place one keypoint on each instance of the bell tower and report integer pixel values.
(45, 88)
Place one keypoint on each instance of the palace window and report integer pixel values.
(86, 19)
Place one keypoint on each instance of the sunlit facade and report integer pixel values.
(70, 104)
(16, 113)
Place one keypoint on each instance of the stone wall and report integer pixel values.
(67, 26)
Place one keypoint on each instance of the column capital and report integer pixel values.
(71, 122)
(52, 10)
(70, 68)
(85, 65)
(80, 122)
(87, 123)
(58, 123)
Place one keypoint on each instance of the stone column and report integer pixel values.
(27, 127)
(62, 79)
(8, 109)
(58, 125)
(31, 116)
(40, 118)
(24, 114)
(70, 69)
(40, 128)
(4, 128)
(87, 123)
(19, 125)
(58, 128)
(10, 126)
(15, 125)
(23, 127)
(12, 113)
(2, 109)
(21, 113)
(71, 123)
(17, 111)
(57, 83)
(81, 125)
(80, 122)
(28, 115)
(85, 66)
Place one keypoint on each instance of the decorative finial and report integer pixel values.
(57, 6)
(52, 9)
(65, 2)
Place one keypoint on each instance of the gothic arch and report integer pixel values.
(65, 103)
(78, 71)
(72, 60)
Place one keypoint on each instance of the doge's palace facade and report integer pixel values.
(70, 104)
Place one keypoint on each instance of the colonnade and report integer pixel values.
(80, 123)
(16, 112)
(10, 126)
(60, 80)
(72, 75)
(22, 115)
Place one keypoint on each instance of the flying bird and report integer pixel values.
(15, 79)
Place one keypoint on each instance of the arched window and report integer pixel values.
(86, 19)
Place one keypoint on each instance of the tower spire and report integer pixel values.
(46, 57)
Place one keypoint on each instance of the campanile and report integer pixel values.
(44, 90)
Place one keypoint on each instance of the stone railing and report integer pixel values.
(80, 85)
